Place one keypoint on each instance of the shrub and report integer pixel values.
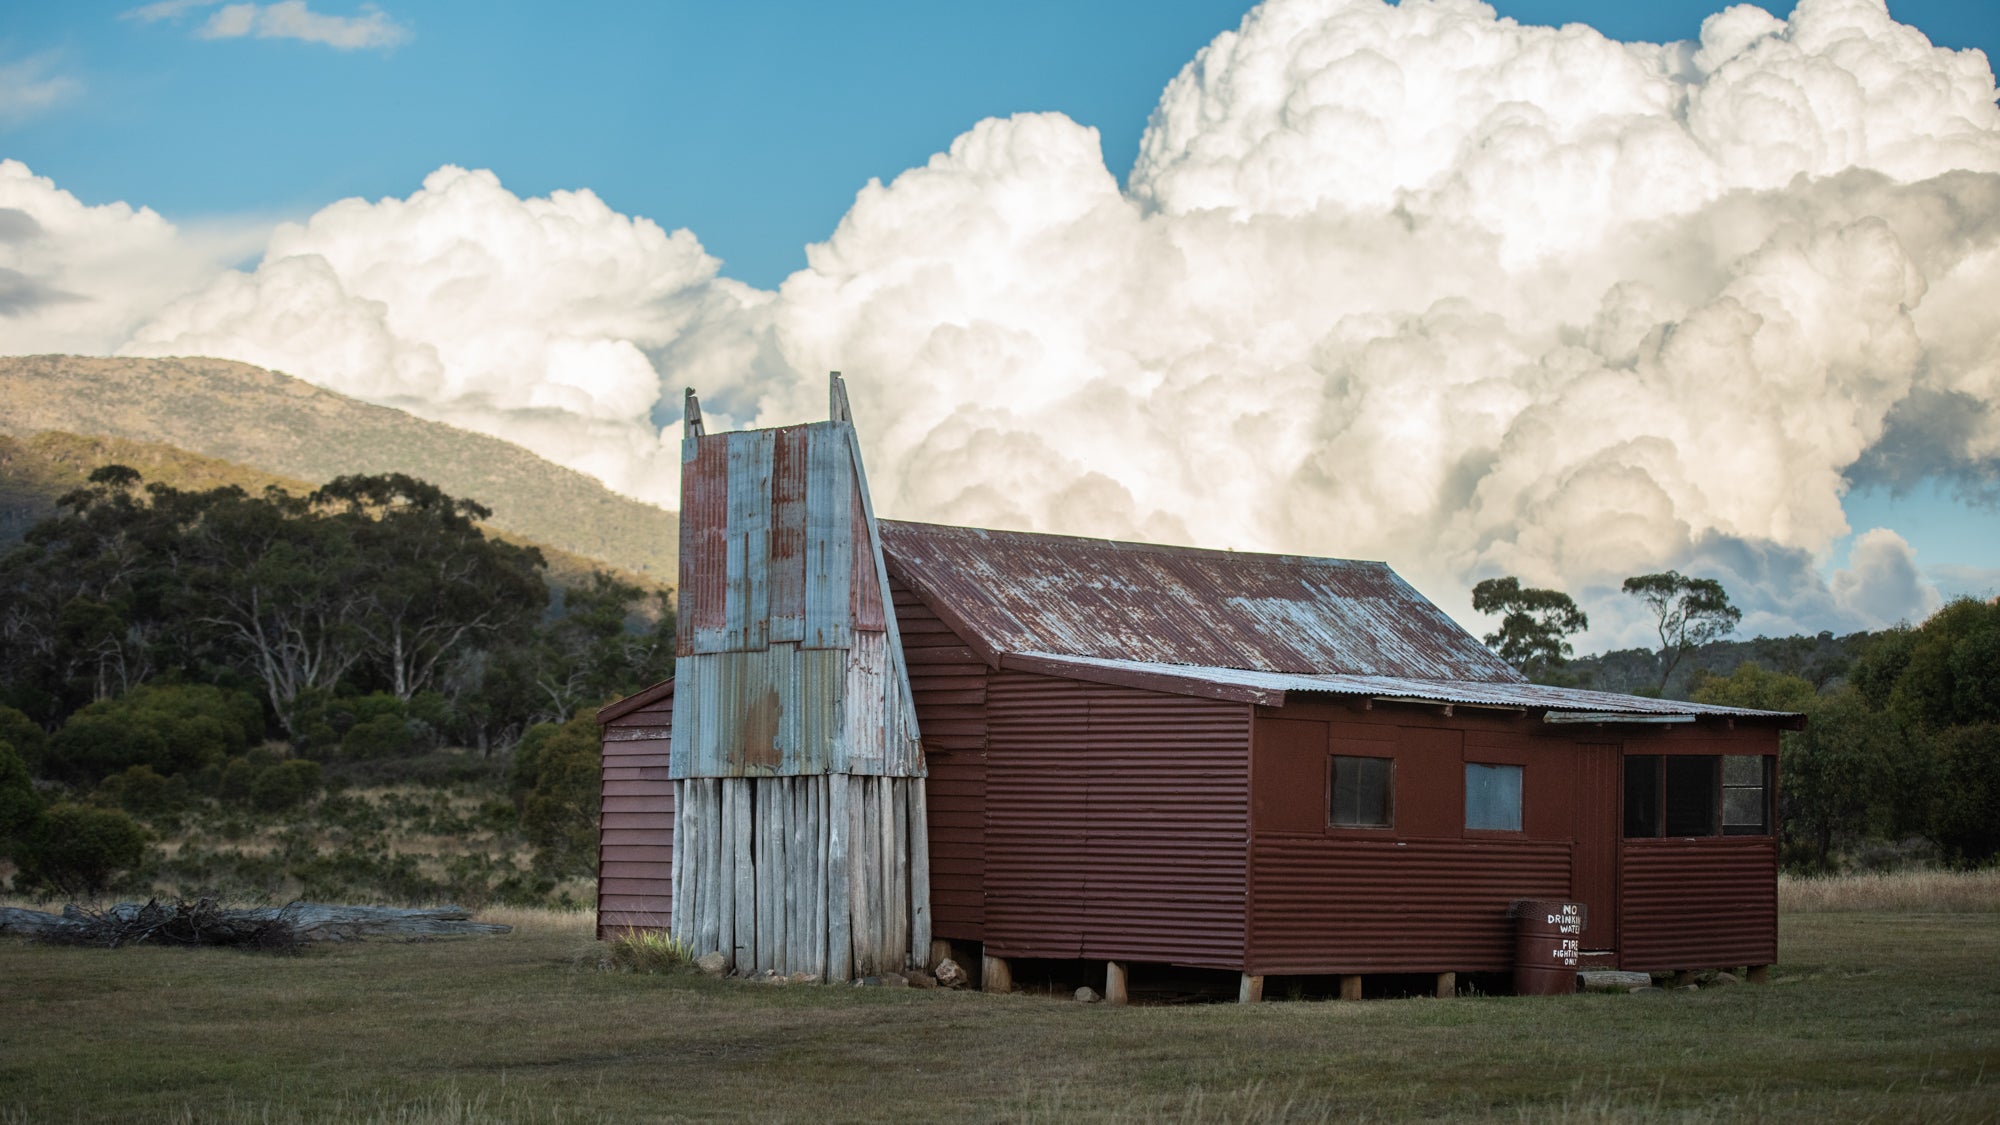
(78, 849)
(27, 738)
(99, 741)
(20, 806)
(174, 728)
(142, 791)
(384, 736)
(556, 780)
(286, 785)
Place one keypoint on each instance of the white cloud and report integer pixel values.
(286, 19)
(1958, 581)
(538, 320)
(78, 278)
(28, 88)
(1406, 282)
(1882, 584)
(165, 10)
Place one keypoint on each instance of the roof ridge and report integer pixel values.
(1133, 546)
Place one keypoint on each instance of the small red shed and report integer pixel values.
(1266, 764)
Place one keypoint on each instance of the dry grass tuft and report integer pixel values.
(1903, 892)
(543, 921)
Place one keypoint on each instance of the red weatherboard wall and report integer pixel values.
(635, 851)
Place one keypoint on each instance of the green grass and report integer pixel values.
(1870, 1017)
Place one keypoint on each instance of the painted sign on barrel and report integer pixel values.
(1548, 939)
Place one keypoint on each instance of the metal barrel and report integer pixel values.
(1547, 939)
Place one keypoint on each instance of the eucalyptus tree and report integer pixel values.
(1534, 625)
(433, 585)
(1691, 612)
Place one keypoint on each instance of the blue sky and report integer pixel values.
(751, 124)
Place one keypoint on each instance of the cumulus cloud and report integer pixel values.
(1409, 282)
(544, 321)
(28, 88)
(286, 19)
(80, 278)
(1882, 584)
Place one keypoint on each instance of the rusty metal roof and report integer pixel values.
(1271, 688)
(1018, 592)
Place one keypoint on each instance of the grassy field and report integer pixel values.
(1873, 1015)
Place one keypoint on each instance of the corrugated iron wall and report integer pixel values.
(948, 681)
(1694, 904)
(788, 663)
(1363, 906)
(1116, 823)
(635, 855)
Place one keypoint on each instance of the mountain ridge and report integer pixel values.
(279, 425)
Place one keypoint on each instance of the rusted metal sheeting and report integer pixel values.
(1366, 906)
(1271, 688)
(635, 857)
(1698, 904)
(1021, 592)
(772, 550)
(1116, 823)
(788, 661)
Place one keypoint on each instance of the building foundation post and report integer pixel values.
(995, 975)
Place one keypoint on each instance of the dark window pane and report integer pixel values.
(1746, 800)
(1642, 795)
(1493, 797)
(1691, 794)
(1364, 792)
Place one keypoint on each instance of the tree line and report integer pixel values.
(160, 640)
(1902, 738)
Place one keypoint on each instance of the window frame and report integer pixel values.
(1333, 824)
(1520, 799)
(1766, 784)
(1717, 788)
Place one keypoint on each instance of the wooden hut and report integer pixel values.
(1263, 764)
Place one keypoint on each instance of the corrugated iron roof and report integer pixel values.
(1013, 592)
(1271, 688)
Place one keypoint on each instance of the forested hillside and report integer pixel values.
(287, 428)
(237, 669)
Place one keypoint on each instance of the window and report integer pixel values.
(1364, 793)
(1746, 787)
(1697, 795)
(1493, 797)
(1642, 795)
(1690, 795)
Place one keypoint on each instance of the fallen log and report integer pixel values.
(203, 922)
(30, 923)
